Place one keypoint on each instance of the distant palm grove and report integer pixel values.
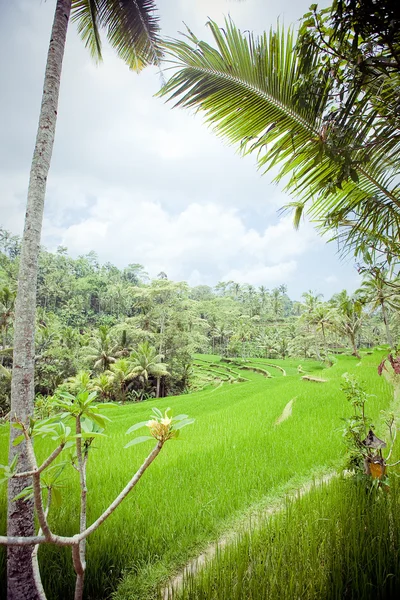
(129, 338)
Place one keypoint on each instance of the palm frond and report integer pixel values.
(132, 29)
(250, 90)
(86, 14)
(6, 373)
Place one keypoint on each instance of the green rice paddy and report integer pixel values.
(233, 458)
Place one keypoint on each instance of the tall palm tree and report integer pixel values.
(145, 361)
(311, 317)
(132, 29)
(378, 290)
(250, 89)
(347, 317)
(276, 302)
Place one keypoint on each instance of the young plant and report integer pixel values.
(365, 448)
(78, 423)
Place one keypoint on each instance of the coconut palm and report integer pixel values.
(276, 303)
(251, 91)
(323, 322)
(102, 384)
(378, 290)
(311, 316)
(145, 361)
(131, 28)
(120, 376)
(102, 350)
(347, 317)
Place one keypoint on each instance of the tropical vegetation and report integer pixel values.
(267, 379)
(128, 338)
(321, 106)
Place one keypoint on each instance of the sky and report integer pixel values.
(139, 182)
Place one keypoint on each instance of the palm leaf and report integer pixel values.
(6, 373)
(85, 13)
(249, 89)
(132, 29)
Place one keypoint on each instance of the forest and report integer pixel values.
(135, 339)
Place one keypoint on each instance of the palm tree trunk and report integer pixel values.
(353, 343)
(317, 352)
(386, 321)
(20, 581)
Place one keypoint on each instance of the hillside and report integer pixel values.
(234, 457)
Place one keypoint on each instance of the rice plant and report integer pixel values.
(233, 458)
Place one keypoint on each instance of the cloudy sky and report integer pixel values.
(138, 182)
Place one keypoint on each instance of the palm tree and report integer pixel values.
(120, 375)
(250, 89)
(131, 28)
(102, 384)
(311, 316)
(347, 317)
(145, 361)
(276, 302)
(323, 321)
(378, 290)
(102, 350)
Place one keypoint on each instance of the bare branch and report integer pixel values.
(44, 465)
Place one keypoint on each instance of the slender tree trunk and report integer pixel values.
(317, 352)
(4, 342)
(79, 559)
(386, 321)
(353, 343)
(20, 581)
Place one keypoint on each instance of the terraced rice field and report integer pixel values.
(233, 459)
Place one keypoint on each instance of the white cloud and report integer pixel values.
(260, 274)
(138, 182)
(331, 279)
(203, 243)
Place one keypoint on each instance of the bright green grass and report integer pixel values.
(231, 458)
(338, 541)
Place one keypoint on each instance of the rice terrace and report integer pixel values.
(200, 393)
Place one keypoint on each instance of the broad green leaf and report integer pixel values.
(139, 440)
(26, 494)
(137, 426)
(179, 417)
(183, 424)
(18, 440)
(56, 497)
(85, 435)
(99, 419)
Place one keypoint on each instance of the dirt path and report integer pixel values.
(175, 584)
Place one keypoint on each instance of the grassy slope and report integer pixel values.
(335, 542)
(231, 458)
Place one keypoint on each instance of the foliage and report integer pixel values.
(236, 459)
(94, 318)
(290, 115)
(88, 424)
(358, 424)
